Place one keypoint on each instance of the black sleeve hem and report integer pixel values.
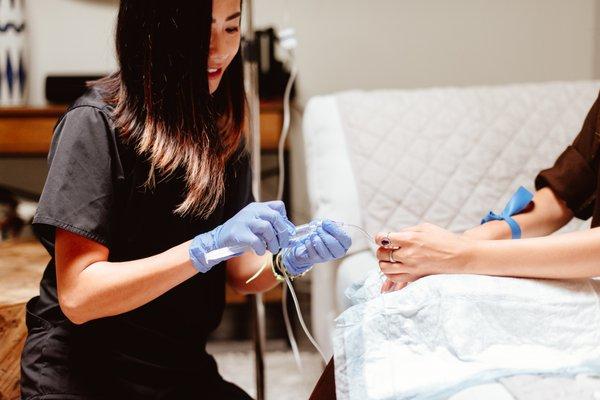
(40, 220)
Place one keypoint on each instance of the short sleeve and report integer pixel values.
(574, 176)
(78, 193)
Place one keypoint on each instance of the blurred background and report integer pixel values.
(342, 45)
(347, 44)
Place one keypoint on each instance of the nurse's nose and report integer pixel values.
(217, 48)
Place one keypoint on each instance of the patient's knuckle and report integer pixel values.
(409, 253)
(409, 236)
(418, 236)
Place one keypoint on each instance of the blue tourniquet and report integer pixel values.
(517, 204)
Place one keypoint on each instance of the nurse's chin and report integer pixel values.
(213, 88)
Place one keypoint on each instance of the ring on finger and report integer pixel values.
(386, 240)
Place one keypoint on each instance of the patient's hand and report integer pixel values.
(422, 250)
(391, 286)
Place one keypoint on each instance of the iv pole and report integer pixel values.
(252, 94)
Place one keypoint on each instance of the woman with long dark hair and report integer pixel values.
(149, 173)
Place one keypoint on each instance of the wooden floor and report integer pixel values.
(21, 266)
(22, 263)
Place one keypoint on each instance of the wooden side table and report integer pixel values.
(27, 131)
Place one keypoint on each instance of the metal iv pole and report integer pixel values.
(252, 94)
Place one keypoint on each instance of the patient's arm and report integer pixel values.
(547, 215)
(487, 249)
(428, 249)
(567, 256)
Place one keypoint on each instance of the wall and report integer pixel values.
(364, 44)
(65, 36)
(357, 44)
(409, 43)
(348, 44)
(69, 37)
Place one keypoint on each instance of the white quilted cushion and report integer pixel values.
(448, 156)
(331, 185)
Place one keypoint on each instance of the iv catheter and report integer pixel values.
(307, 229)
(301, 231)
(227, 252)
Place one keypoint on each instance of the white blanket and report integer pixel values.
(444, 333)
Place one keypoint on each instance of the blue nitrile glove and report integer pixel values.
(260, 226)
(329, 242)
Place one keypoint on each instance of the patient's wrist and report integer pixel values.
(493, 230)
(476, 257)
(491, 257)
(468, 257)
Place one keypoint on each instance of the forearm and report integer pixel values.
(568, 256)
(110, 288)
(547, 214)
(242, 268)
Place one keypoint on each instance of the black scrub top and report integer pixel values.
(95, 188)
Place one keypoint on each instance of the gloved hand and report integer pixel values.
(260, 226)
(329, 242)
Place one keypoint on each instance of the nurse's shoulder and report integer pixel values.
(86, 128)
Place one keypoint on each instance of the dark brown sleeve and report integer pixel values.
(574, 175)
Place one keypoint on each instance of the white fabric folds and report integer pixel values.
(444, 333)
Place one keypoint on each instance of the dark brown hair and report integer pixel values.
(162, 101)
